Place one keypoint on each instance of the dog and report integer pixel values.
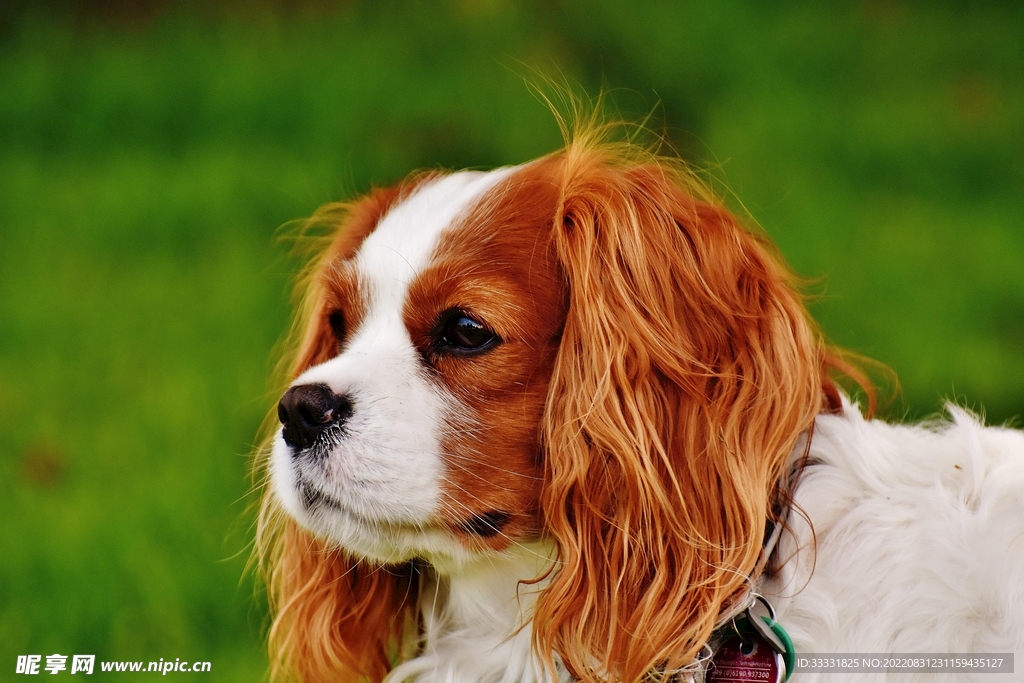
(565, 421)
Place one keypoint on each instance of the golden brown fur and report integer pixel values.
(686, 373)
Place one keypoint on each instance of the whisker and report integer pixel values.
(474, 461)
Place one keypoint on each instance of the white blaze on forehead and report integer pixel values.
(400, 247)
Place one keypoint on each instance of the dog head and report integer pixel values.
(587, 351)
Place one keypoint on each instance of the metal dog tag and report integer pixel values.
(756, 614)
(746, 659)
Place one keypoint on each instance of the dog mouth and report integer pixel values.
(316, 502)
(313, 498)
(485, 525)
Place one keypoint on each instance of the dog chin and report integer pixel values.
(367, 537)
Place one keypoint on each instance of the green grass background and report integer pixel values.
(148, 154)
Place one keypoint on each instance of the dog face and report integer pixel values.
(586, 350)
(416, 432)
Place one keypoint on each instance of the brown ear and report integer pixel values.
(334, 617)
(686, 372)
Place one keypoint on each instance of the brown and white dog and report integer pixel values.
(539, 419)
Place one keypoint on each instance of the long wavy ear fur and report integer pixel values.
(687, 369)
(334, 617)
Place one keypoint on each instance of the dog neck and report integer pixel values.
(475, 621)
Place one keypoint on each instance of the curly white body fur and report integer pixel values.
(917, 543)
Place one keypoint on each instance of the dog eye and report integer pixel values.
(461, 333)
(337, 323)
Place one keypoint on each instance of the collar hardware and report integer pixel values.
(752, 646)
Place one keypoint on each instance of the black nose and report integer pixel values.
(309, 409)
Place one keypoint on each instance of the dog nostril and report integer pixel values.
(307, 410)
(314, 416)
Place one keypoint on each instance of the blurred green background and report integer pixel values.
(149, 153)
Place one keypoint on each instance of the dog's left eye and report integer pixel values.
(463, 334)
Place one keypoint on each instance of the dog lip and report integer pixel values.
(314, 497)
(487, 524)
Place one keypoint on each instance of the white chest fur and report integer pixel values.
(476, 623)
